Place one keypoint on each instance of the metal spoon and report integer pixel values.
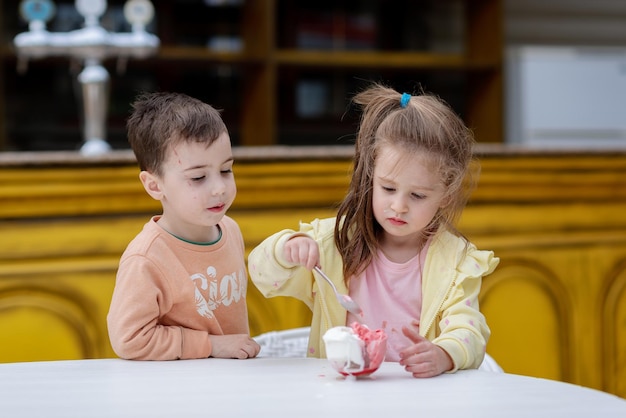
(345, 300)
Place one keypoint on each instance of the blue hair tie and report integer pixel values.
(404, 100)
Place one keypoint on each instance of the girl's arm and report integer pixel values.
(463, 331)
(277, 274)
(274, 275)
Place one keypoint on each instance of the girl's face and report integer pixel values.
(407, 194)
(196, 189)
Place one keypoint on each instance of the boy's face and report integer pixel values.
(196, 189)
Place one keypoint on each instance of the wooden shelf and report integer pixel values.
(281, 52)
(193, 53)
(365, 59)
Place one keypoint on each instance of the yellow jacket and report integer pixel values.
(451, 283)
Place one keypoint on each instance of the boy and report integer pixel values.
(180, 290)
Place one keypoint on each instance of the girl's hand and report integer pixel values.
(302, 250)
(423, 358)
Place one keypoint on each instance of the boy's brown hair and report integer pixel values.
(161, 120)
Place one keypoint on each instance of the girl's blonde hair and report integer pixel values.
(425, 126)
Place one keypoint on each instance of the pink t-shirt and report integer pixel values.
(390, 295)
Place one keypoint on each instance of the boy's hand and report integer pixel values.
(423, 358)
(303, 251)
(239, 346)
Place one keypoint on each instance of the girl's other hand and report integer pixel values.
(423, 358)
(303, 251)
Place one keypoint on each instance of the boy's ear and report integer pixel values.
(152, 184)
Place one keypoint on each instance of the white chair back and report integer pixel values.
(287, 343)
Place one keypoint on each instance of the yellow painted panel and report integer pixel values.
(618, 381)
(526, 325)
(614, 336)
(31, 334)
(44, 322)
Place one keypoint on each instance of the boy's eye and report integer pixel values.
(199, 178)
(227, 171)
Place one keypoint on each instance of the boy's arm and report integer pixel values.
(138, 298)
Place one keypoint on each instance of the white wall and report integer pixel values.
(566, 73)
(565, 22)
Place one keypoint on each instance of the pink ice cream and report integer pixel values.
(355, 350)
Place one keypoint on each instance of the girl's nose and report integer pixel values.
(398, 205)
(218, 187)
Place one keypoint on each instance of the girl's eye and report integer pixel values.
(196, 179)
(227, 171)
(388, 189)
(418, 196)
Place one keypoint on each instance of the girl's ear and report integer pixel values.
(152, 185)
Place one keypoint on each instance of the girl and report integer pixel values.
(393, 240)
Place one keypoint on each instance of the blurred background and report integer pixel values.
(284, 71)
(541, 82)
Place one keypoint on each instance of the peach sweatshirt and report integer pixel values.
(170, 294)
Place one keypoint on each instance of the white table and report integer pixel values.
(281, 387)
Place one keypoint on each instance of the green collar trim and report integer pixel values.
(219, 237)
